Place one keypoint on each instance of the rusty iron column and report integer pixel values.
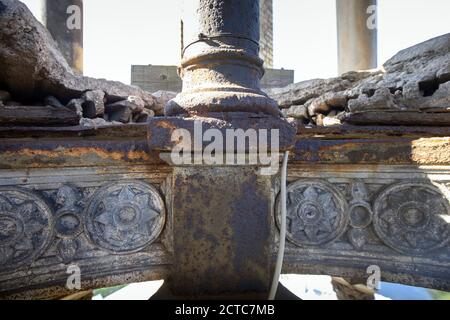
(64, 20)
(221, 68)
(357, 34)
(223, 223)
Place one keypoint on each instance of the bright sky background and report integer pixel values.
(121, 33)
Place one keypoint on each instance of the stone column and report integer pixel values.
(221, 68)
(357, 34)
(64, 20)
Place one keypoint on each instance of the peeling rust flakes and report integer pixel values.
(166, 124)
(61, 155)
(373, 151)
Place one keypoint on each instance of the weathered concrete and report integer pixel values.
(357, 35)
(412, 89)
(64, 20)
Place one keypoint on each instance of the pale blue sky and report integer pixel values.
(121, 33)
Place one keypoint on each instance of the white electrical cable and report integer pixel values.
(279, 263)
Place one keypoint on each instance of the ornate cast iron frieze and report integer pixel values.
(343, 224)
(44, 231)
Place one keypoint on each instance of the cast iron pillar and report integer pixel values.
(64, 20)
(357, 34)
(222, 211)
(221, 68)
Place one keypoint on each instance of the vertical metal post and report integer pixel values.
(221, 68)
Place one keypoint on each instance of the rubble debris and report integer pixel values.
(93, 104)
(162, 98)
(413, 88)
(76, 105)
(144, 116)
(134, 104)
(33, 70)
(93, 123)
(121, 114)
(52, 101)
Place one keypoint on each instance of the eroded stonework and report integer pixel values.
(316, 213)
(122, 217)
(125, 217)
(409, 217)
(413, 218)
(46, 228)
(412, 88)
(25, 226)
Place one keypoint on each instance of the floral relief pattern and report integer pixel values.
(125, 217)
(316, 213)
(25, 226)
(413, 218)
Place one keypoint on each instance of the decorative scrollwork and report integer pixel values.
(413, 217)
(125, 217)
(25, 226)
(360, 211)
(316, 213)
(68, 222)
(360, 215)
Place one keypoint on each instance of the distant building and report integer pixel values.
(154, 78)
(266, 32)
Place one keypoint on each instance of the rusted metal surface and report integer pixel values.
(394, 151)
(351, 132)
(126, 131)
(51, 164)
(394, 145)
(44, 153)
(160, 130)
(222, 231)
(221, 69)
